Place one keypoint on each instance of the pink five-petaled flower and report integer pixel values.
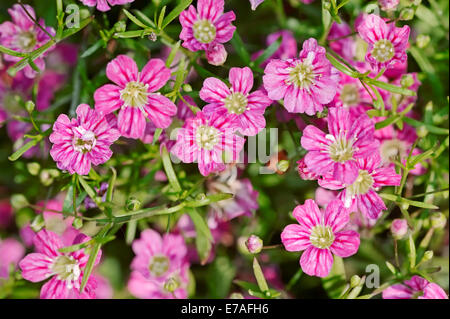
(104, 5)
(336, 153)
(160, 268)
(207, 27)
(387, 43)
(23, 35)
(248, 107)
(306, 83)
(415, 288)
(361, 194)
(133, 94)
(205, 138)
(67, 269)
(320, 234)
(83, 141)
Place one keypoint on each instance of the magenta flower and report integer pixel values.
(336, 153)
(133, 93)
(160, 268)
(205, 138)
(83, 141)
(415, 288)
(320, 234)
(6, 214)
(304, 172)
(22, 35)
(341, 41)
(11, 251)
(207, 26)
(305, 84)
(361, 195)
(248, 107)
(66, 269)
(388, 5)
(104, 5)
(387, 43)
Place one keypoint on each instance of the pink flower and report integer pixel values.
(79, 142)
(160, 268)
(133, 93)
(248, 107)
(388, 5)
(66, 269)
(387, 43)
(304, 172)
(341, 40)
(23, 35)
(104, 5)
(255, 3)
(288, 46)
(361, 194)
(11, 251)
(305, 84)
(205, 138)
(207, 26)
(415, 288)
(216, 54)
(399, 228)
(320, 235)
(337, 152)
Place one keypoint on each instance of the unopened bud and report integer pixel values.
(45, 177)
(236, 295)
(254, 244)
(133, 204)
(391, 267)
(171, 284)
(422, 131)
(283, 165)
(18, 201)
(422, 40)
(354, 281)
(77, 223)
(438, 221)
(29, 106)
(187, 87)
(33, 168)
(216, 54)
(407, 81)
(120, 26)
(152, 37)
(407, 14)
(399, 228)
(38, 223)
(327, 5)
(428, 255)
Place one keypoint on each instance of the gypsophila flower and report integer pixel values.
(320, 235)
(104, 5)
(83, 141)
(387, 43)
(248, 107)
(304, 84)
(415, 288)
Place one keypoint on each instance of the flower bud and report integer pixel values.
(407, 14)
(18, 201)
(422, 131)
(216, 54)
(46, 177)
(133, 204)
(187, 87)
(38, 223)
(407, 80)
(33, 168)
(171, 284)
(152, 37)
(399, 228)
(354, 281)
(29, 106)
(422, 40)
(438, 221)
(254, 244)
(283, 165)
(428, 255)
(236, 295)
(77, 223)
(120, 26)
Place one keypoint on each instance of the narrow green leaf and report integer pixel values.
(175, 13)
(260, 279)
(340, 66)
(389, 87)
(203, 238)
(432, 129)
(17, 154)
(91, 50)
(161, 17)
(390, 120)
(239, 46)
(172, 54)
(171, 176)
(135, 20)
(402, 200)
(271, 49)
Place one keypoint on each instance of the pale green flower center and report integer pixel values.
(321, 236)
(383, 50)
(207, 137)
(86, 142)
(236, 103)
(26, 41)
(159, 265)
(135, 94)
(204, 31)
(392, 149)
(349, 95)
(172, 284)
(341, 150)
(361, 185)
(67, 268)
(302, 75)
